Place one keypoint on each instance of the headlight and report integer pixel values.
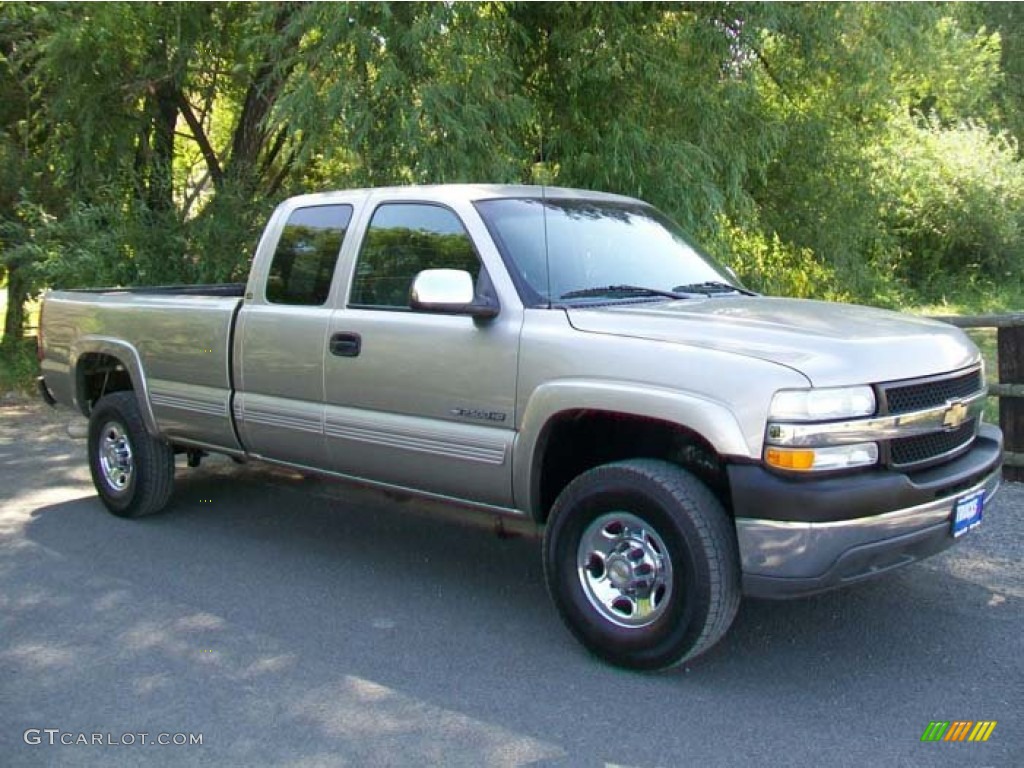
(822, 404)
(793, 406)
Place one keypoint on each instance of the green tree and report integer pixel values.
(146, 143)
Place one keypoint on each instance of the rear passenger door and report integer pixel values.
(281, 335)
(416, 399)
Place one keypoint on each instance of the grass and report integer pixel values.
(18, 367)
(974, 298)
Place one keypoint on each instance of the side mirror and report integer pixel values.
(450, 292)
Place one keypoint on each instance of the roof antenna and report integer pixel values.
(544, 212)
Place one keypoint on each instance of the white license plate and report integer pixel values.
(967, 512)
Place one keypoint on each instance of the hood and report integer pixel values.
(831, 344)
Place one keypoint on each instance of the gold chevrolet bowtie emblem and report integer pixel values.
(955, 415)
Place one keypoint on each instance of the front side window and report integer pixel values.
(404, 239)
(303, 264)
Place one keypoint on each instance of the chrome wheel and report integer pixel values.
(115, 455)
(625, 570)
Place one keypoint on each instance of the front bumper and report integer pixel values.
(789, 558)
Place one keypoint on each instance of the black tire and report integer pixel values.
(135, 483)
(699, 599)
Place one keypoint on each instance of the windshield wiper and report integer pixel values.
(624, 290)
(712, 287)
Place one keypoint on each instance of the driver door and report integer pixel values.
(415, 399)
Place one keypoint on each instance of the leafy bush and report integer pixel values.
(767, 264)
(953, 199)
(102, 243)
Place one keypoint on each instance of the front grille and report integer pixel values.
(929, 394)
(934, 392)
(913, 451)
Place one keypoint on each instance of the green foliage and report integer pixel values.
(18, 367)
(1005, 22)
(858, 150)
(853, 80)
(428, 93)
(953, 202)
(768, 265)
(646, 101)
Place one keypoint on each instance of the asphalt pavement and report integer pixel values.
(299, 622)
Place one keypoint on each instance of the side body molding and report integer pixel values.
(129, 357)
(709, 418)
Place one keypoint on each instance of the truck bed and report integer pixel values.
(205, 289)
(179, 337)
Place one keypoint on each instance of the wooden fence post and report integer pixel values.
(1010, 389)
(1010, 341)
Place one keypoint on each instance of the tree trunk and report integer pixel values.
(251, 132)
(160, 195)
(17, 295)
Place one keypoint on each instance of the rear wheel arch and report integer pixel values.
(104, 366)
(98, 374)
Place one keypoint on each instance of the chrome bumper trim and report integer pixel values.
(794, 550)
(876, 428)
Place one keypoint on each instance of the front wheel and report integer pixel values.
(641, 561)
(133, 471)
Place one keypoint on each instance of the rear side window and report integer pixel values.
(306, 255)
(402, 240)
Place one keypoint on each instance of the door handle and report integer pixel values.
(346, 344)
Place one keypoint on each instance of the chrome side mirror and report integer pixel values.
(449, 292)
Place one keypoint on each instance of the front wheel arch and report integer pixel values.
(574, 441)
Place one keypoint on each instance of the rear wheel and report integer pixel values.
(133, 472)
(641, 561)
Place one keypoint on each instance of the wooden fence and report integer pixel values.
(1010, 389)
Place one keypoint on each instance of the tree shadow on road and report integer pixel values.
(369, 624)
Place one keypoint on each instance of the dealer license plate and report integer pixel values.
(967, 512)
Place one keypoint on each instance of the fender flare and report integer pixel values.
(708, 418)
(129, 357)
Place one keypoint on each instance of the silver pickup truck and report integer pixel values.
(564, 356)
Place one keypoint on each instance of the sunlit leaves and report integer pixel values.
(813, 144)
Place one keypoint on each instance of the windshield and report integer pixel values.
(594, 244)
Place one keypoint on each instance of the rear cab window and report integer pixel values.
(307, 254)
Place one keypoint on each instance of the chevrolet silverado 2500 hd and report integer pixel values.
(562, 355)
